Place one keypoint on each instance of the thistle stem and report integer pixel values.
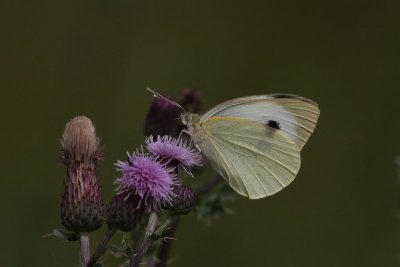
(151, 226)
(85, 248)
(101, 248)
(166, 246)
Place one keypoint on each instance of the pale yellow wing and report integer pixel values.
(296, 116)
(255, 159)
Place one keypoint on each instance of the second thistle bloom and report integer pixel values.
(146, 177)
(174, 150)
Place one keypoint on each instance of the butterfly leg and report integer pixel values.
(188, 133)
(197, 147)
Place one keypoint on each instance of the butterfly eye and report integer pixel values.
(184, 120)
(274, 124)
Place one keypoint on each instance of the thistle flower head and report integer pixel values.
(175, 150)
(146, 177)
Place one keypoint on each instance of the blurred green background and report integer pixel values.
(60, 59)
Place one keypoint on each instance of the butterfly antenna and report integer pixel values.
(157, 95)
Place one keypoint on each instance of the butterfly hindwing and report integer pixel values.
(257, 160)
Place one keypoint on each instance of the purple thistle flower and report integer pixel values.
(146, 177)
(174, 150)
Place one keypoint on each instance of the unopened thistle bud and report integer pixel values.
(82, 202)
(191, 101)
(123, 212)
(164, 118)
(184, 201)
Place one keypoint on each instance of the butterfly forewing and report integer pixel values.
(295, 116)
(257, 160)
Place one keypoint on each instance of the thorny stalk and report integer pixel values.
(166, 245)
(85, 248)
(137, 258)
(102, 247)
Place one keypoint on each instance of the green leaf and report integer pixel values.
(63, 234)
(212, 205)
(161, 231)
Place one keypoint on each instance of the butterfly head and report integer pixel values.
(187, 118)
(191, 121)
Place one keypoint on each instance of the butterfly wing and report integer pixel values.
(255, 159)
(296, 116)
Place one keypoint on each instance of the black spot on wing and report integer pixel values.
(274, 124)
(283, 96)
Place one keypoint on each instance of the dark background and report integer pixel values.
(95, 58)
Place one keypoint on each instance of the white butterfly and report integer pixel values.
(254, 142)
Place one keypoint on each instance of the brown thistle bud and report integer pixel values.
(191, 101)
(164, 118)
(82, 202)
(184, 201)
(123, 212)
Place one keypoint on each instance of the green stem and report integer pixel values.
(207, 188)
(85, 248)
(151, 226)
